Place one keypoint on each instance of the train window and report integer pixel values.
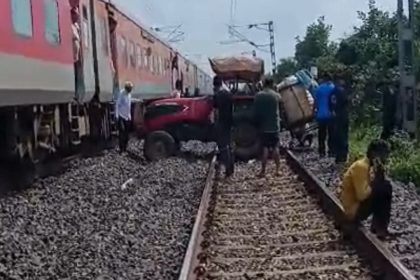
(167, 65)
(139, 56)
(132, 52)
(52, 25)
(163, 66)
(156, 65)
(143, 57)
(123, 48)
(152, 64)
(105, 35)
(22, 17)
(85, 27)
(146, 60)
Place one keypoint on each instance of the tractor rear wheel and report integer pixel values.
(247, 143)
(159, 145)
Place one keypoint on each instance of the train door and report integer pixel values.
(77, 47)
(113, 40)
(83, 47)
(103, 60)
(87, 51)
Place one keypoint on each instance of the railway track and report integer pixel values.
(283, 227)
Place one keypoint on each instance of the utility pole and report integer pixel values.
(272, 46)
(265, 26)
(408, 91)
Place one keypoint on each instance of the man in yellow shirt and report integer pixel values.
(366, 191)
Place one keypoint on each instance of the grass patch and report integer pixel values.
(405, 153)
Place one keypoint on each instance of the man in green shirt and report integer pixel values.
(267, 115)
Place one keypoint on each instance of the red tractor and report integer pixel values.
(167, 122)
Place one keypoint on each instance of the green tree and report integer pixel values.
(316, 43)
(374, 41)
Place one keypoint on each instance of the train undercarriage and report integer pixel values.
(35, 139)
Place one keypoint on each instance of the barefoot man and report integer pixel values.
(267, 115)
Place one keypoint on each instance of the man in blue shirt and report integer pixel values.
(324, 116)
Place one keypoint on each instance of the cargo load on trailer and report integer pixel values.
(249, 69)
(297, 108)
(298, 105)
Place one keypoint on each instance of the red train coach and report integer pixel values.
(36, 62)
(140, 57)
(36, 67)
(61, 62)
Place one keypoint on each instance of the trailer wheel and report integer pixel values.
(247, 143)
(159, 145)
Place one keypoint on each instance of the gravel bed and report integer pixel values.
(272, 228)
(88, 224)
(405, 220)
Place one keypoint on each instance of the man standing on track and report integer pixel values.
(339, 107)
(267, 115)
(223, 106)
(123, 115)
(324, 116)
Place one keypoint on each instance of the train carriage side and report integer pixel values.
(35, 53)
(141, 59)
(37, 81)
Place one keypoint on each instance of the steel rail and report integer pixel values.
(367, 245)
(192, 264)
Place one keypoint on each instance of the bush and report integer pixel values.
(405, 153)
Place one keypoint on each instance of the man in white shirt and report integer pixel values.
(123, 115)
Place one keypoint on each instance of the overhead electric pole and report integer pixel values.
(408, 93)
(240, 38)
(174, 34)
(272, 46)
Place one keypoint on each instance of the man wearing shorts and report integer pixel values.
(267, 115)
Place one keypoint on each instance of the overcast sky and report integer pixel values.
(205, 21)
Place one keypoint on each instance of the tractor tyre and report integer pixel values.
(246, 141)
(159, 145)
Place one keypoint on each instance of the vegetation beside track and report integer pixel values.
(364, 57)
(405, 154)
